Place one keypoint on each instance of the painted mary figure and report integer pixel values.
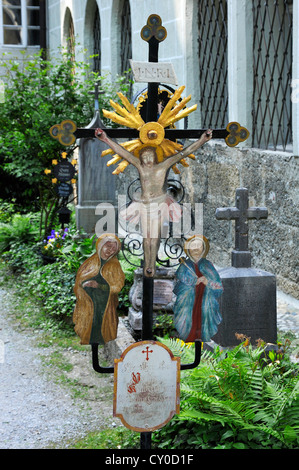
(196, 310)
(98, 282)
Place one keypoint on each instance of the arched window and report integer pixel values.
(212, 24)
(97, 41)
(92, 35)
(272, 73)
(126, 36)
(71, 38)
(69, 33)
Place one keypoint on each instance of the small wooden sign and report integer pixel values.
(154, 72)
(146, 386)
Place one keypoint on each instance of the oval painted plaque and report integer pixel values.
(64, 171)
(146, 386)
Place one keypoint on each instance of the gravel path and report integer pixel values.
(35, 411)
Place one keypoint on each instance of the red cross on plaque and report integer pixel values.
(147, 352)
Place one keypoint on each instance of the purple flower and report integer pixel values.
(64, 233)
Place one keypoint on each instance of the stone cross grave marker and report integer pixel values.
(248, 302)
(241, 256)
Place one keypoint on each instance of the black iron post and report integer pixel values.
(152, 90)
(147, 308)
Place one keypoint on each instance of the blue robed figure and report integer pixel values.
(198, 288)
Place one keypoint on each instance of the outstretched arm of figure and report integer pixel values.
(121, 151)
(205, 137)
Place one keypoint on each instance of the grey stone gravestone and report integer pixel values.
(248, 302)
(163, 298)
(96, 184)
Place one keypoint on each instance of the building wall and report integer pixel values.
(271, 177)
(171, 12)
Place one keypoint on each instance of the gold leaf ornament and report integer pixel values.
(151, 134)
(236, 135)
(64, 132)
(127, 116)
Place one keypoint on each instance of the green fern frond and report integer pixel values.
(289, 405)
(257, 384)
(196, 415)
(179, 349)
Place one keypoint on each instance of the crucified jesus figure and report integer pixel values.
(153, 178)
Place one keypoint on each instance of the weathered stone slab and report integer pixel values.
(96, 183)
(248, 306)
(135, 319)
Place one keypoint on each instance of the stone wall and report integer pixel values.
(272, 181)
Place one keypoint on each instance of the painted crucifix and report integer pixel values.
(155, 205)
(155, 152)
(153, 147)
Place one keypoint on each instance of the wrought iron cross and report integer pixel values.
(96, 94)
(241, 257)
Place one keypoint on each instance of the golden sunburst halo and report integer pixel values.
(151, 134)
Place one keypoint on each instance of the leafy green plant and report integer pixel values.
(123, 297)
(7, 210)
(21, 228)
(77, 248)
(163, 324)
(22, 258)
(236, 399)
(53, 286)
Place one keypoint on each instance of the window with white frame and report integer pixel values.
(20, 23)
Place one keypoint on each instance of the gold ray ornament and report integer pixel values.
(151, 133)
